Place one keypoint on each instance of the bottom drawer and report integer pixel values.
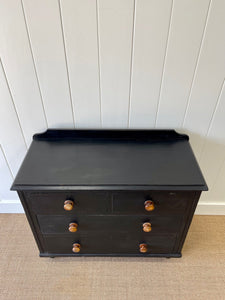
(109, 244)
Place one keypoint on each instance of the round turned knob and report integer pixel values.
(68, 205)
(73, 227)
(76, 248)
(149, 205)
(147, 227)
(143, 248)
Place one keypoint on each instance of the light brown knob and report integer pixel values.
(147, 227)
(149, 205)
(76, 248)
(68, 205)
(143, 248)
(73, 227)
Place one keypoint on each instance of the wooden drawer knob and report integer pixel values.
(149, 205)
(68, 205)
(73, 227)
(147, 227)
(143, 248)
(76, 248)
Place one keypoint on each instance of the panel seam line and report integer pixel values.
(164, 63)
(196, 65)
(14, 106)
(212, 119)
(99, 66)
(7, 163)
(34, 64)
(66, 63)
(131, 63)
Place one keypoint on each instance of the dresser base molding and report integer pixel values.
(167, 255)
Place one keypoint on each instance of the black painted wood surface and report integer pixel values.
(116, 243)
(109, 174)
(109, 223)
(139, 159)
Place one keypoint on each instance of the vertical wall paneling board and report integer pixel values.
(150, 37)
(208, 79)
(5, 180)
(48, 49)
(187, 27)
(115, 34)
(213, 156)
(18, 65)
(80, 31)
(11, 137)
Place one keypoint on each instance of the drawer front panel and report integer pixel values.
(101, 202)
(173, 203)
(95, 224)
(108, 244)
(85, 202)
(124, 243)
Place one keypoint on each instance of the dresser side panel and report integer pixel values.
(31, 217)
(187, 219)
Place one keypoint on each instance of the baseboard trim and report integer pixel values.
(203, 208)
(213, 208)
(11, 207)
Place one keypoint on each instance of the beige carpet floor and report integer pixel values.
(199, 274)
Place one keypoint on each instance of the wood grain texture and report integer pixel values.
(150, 36)
(18, 64)
(115, 36)
(79, 20)
(47, 46)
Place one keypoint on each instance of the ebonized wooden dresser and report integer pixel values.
(109, 192)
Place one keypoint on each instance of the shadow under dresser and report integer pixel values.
(109, 192)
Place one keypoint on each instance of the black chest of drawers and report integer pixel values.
(109, 192)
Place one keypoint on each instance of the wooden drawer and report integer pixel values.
(132, 203)
(95, 224)
(85, 202)
(100, 202)
(103, 243)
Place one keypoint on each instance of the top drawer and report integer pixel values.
(84, 202)
(110, 202)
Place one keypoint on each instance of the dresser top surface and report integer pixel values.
(128, 159)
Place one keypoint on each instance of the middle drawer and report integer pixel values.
(53, 224)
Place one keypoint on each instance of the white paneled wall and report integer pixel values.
(19, 68)
(150, 38)
(115, 31)
(114, 64)
(187, 26)
(44, 30)
(79, 22)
